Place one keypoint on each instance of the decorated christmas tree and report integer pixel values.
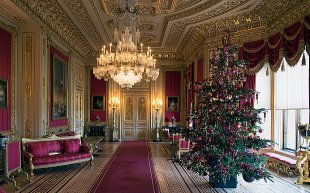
(226, 123)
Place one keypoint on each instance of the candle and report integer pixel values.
(103, 49)
(141, 48)
(110, 47)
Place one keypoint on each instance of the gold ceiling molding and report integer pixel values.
(146, 38)
(234, 24)
(290, 17)
(149, 26)
(191, 43)
(147, 10)
(166, 6)
(95, 11)
(50, 15)
(183, 4)
(174, 37)
(78, 9)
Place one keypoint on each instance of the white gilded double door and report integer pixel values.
(135, 116)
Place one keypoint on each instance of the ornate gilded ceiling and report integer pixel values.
(175, 29)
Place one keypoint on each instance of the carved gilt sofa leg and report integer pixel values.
(91, 160)
(13, 181)
(31, 167)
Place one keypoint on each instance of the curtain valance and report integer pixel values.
(289, 43)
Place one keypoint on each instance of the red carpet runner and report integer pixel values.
(130, 171)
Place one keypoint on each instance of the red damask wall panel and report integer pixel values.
(5, 80)
(61, 121)
(97, 91)
(173, 91)
(200, 70)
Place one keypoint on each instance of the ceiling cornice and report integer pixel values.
(55, 21)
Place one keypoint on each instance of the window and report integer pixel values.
(292, 103)
(263, 101)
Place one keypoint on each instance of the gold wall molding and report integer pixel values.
(28, 89)
(43, 87)
(142, 108)
(44, 44)
(27, 129)
(129, 108)
(28, 81)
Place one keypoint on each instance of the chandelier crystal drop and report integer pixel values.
(127, 65)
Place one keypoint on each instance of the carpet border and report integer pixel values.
(152, 170)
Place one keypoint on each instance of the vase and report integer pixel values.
(230, 183)
(248, 178)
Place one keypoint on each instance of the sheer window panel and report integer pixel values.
(304, 116)
(305, 85)
(290, 130)
(281, 88)
(294, 87)
(263, 87)
(278, 133)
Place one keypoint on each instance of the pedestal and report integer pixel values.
(115, 135)
(157, 136)
(303, 158)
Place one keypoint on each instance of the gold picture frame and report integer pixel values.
(60, 89)
(172, 103)
(98, 103)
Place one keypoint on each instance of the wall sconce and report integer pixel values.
(114, 103)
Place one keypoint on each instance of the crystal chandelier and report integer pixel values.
(127, 65)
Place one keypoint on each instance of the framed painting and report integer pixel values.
(3, 93)
(97, 103)
(172, 103)
(60, 86)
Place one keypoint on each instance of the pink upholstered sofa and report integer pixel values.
(54, 151)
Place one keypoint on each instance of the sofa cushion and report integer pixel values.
(55, 146)
(60, 158)
(72, 145)
(38, 149)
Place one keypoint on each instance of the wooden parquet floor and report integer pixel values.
(172, 178)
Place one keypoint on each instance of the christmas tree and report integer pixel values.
(226, 123)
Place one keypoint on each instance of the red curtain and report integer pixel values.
(5, 77)
(57, 122)
(293, 36)
(290, 44)
(200, 70)
(98, 88)
(173, 88)
(254, 53)
(275, 50)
